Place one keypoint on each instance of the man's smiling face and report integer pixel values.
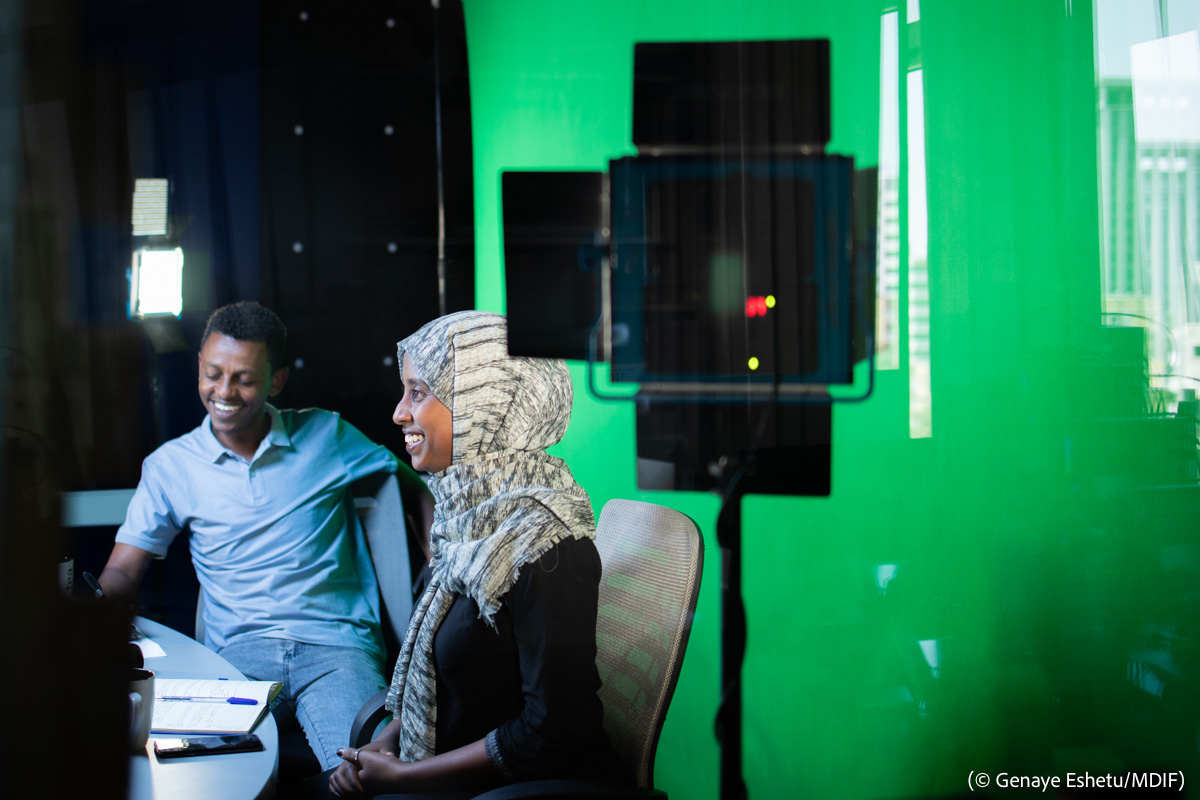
(235, 382)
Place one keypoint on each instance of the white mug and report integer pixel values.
(141, 708)
(66, 575)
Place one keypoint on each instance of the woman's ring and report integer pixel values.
(356, 752)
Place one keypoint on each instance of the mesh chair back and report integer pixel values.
(652, 558)
(377, 501)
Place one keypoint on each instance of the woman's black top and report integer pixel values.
(529, 684)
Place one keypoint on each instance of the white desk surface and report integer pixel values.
(232, 776)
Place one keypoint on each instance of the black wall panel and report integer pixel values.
(349, 200)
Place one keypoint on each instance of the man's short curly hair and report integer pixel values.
(250, 322)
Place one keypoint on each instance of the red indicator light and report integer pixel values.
(757, 305)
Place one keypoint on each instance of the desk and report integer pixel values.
(233, 776)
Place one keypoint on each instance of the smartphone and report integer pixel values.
(207, 745)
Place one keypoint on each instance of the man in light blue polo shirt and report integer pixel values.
(290, 593)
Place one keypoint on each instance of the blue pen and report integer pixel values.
(237, 701)
(93, 584)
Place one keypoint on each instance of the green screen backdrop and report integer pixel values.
(1015, 592)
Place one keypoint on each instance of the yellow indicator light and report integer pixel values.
(753, 363)
(770, 301)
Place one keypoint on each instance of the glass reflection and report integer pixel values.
(920, 362)
(1149, 122)
(887, 291)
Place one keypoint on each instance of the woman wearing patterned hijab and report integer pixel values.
(496, 680)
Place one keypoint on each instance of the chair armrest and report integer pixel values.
(562, 789)
(369, 716)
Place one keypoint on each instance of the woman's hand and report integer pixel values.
(374, 769)
(366, 771)
(344, 781)
(376, 746)
(380, 773)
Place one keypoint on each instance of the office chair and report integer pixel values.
(378, 501)
(652, 560)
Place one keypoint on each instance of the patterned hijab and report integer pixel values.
(502, 502)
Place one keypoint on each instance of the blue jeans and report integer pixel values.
(323, 686)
